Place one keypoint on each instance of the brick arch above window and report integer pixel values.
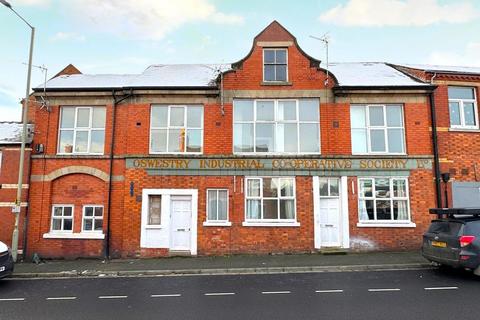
(72, 170)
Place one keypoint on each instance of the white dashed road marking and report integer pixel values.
(13, 299)
(61, 298)
(384, 290)
(220, 294)
(276, 292)
(329, 291)
(442, 288)
(112, 297)
(165, 295)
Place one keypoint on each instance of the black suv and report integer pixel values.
(454, 239)
(6, 261)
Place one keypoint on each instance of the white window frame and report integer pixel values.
(147, 217)
(385, 128)
(88, 129)
(276, 122)
(217, 222)
(62, 218)
(184, 127)
(270, 222)
(384, 223)
(462, 111)
(93, 218)
(286, 65)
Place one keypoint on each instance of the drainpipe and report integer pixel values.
(436, 159)
(116, 102)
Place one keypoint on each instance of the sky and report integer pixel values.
(125, 36)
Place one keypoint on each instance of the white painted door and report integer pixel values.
(180, 223)
(329, 218)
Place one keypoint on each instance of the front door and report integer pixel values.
(180, 223)
(329, 215)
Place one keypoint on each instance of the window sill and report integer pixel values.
(276, 83)
(386, 225)
(466, 130)
(217, 224)
(270, 224)
(154, 227)
(83, 235)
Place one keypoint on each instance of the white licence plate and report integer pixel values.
(2, 269)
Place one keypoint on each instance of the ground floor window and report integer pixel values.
(92, 218)
(383, 200)
(217, 205)
(270, 200)
(154, 210)
(62, 218)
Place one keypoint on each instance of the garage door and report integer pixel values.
(466, 194)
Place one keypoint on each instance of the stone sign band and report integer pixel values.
(279, 164)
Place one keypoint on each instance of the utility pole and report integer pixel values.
(18, 200)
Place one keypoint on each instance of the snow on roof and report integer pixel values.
(175, 75)
(444, 69)
(11, 133)
(370, 74)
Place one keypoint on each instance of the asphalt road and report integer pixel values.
(422, 294)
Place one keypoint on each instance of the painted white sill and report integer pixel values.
(467, 130)
(386, 225)
(270, 224)
(83, 235)
(154, 227)
(217, 224)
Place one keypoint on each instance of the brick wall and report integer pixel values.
(8, 191)
(422, 192)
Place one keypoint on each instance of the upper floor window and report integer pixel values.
(463, 107)
(275, 65)
(176, 129)
(82, 130)
(276, 126)
(377, 129)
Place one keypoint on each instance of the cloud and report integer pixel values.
(469, 57)
(417, 13)
(29, 2)
(148, 19)
(67, 36)
(10, 113)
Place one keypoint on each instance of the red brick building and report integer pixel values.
(458, 131)
(268, 154)
(10, 140)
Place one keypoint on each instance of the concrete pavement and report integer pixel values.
(238, 264)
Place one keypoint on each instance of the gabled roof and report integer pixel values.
(443, 69)
(155, 76)
(11, 133)
(371, 74)
(272, 33)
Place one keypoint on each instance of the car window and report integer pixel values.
(472, 228)
(445, 227)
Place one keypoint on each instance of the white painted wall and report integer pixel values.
(159, 236)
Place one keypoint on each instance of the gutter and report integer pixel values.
(436, 160)
(116, 102)
(341, 88)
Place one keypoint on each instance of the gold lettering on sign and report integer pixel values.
(230, 164)
(162, 163)
(383, 164)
